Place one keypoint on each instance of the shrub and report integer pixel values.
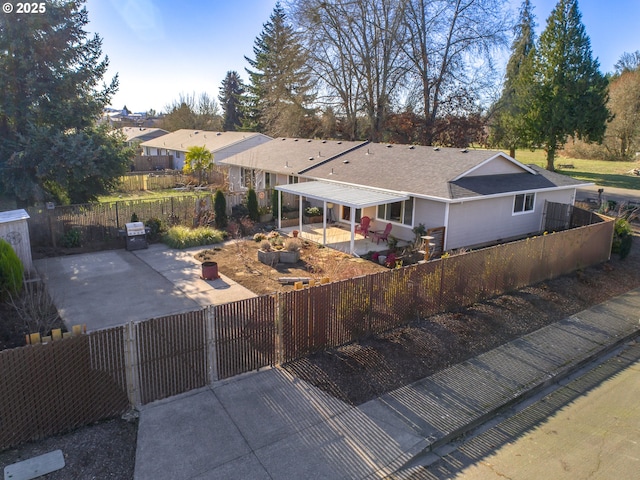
(252, 205)
(313, 212)
(220, 209)
(622, 238)
(259, 237)
(134, 217)
(72, 239)
(184, 237)
(293, 245)
(265, 246)
(275, 195)
(156, 227)
(11, 271)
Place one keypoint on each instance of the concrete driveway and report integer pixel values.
(114, 287)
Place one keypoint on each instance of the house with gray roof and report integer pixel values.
(478, 196)
(221, 144)
(137, 135)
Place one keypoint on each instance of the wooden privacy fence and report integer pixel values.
(50, 388)
(98, 224)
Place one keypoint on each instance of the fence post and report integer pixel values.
(279, 340)
(131, 364)
(212, 351)
(117, 216)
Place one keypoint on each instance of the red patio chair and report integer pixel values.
(383, 235)
(363, 228)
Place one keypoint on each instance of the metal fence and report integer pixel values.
(50, 388)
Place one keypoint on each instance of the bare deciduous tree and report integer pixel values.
(355, 49)
(448, 44)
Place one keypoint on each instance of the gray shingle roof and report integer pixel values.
(290, 155)
(516, 182)
(181, 140)
(416, 169)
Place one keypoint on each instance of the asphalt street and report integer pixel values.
(588, 428)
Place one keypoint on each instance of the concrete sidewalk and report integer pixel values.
(114, 287)
(271, 425)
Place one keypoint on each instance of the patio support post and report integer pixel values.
(279, 210)
(324, 222)
(300, 214)
(353, 230)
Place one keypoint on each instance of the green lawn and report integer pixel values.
(145, 195)
(600, 172)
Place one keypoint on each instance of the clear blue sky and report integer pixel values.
(162, 48)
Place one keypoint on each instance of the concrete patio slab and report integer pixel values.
(109, 288)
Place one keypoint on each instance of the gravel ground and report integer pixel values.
(101, 451)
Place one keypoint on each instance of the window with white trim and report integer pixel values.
(523, 203)
(247, 177)
(399, 212)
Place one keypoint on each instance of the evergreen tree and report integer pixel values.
(230, 98)
(252, 205)
(508, 128)
(220, 209)
(279, 94)
(50, 71)
(570, 93)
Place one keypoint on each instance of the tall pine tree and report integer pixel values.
(279, 93)
(50, 100)
(230, 98)
(570, 93)
(509, 129)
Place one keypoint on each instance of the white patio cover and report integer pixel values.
(347, 195)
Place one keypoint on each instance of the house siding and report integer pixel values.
(469, 224)
(497, 166)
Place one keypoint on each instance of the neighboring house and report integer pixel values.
(137, 135)
(221, 144)
(479, 196)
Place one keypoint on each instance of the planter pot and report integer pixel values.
(210, 270)
(289, 222)
(269, 258)
(267, 217)
(316, 219)
(289, 257)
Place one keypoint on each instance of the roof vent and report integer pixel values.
(283, 139)
(324, 141)
(412, 147)
(217, 134)
(436, 149)
(464, 150)
(196, 133)
(345, 161)
(389, 146)
(295, 140)
(286, 164)
(331, 172)
(368, 152)
(309, 141)
(339, 143)
(310, 159)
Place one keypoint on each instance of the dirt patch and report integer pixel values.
(238, 260)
